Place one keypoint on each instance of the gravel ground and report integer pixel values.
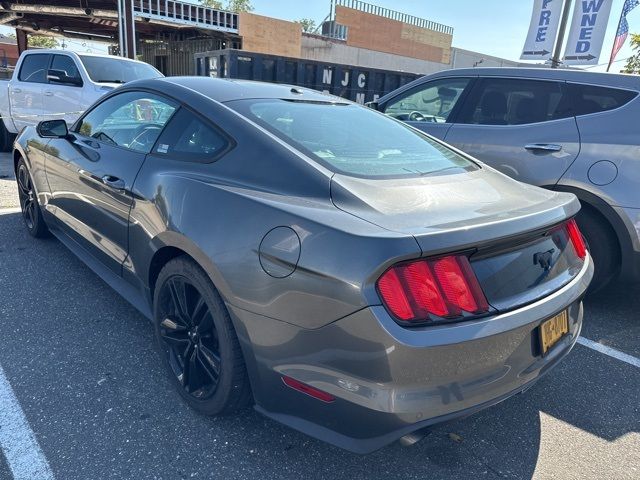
(8, 190)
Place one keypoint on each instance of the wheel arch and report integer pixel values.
(608, 216)
(17, 155)
(169, 245)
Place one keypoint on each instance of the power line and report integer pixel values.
(607, 63)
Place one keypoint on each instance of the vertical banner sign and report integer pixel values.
(542, 30)
(589, 24)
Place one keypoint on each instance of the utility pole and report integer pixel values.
(557, 51)
(126, 29)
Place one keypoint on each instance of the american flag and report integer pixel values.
(623, 28)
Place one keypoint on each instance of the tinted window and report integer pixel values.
(591, 99)
(431, 102)
(34, 68)
(116, 70)
(65, 64)
(353, 140)
(132, 120)
(509, 101)
(187, 137)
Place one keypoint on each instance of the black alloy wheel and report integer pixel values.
(188, 331)
(197, 341)
(29, 203)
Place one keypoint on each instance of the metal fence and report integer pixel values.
(187, 14)
(176, 57)
(395, 15)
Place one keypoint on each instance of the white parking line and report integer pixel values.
(17, 440)
(612, 352)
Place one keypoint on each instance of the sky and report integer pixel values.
(491, 27)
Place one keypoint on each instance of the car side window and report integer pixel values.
(67, 65)
(34, 68)
(431, 102)
(190, 138)
(513, 101)
(132, 120)
(592, 99)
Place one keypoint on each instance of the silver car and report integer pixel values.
(565, 130)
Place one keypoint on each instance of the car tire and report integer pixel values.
(197, 341)
(6, 138)
(29, 206)
(602, 245)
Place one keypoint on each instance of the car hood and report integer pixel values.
(453, 210)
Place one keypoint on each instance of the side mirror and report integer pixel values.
(53, 129)
(60, 76)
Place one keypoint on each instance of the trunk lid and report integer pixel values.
(508, 228)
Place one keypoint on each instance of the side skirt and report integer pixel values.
(124, 288)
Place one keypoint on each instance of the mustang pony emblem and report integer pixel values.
(544, 259)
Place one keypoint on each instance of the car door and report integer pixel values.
(523, 127)
(63, 95)
(430, 106)
(25, 95)
(91, 174)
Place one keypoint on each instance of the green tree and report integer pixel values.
(213, 4)
(633, 62)
(231, 5)
(41, 41)
(307, 24)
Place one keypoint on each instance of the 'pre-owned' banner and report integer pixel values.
(589, 24)
(542, 30)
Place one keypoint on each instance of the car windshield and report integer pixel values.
(116, 70)
(353, 140)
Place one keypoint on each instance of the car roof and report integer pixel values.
(78, 54)
(225, 90)
(565, 74)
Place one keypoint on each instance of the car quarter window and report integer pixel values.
(65, 64)
(132, 120)
(430, 102)
(593, 99)
(34, 68)
(514, 101)
(190, 138)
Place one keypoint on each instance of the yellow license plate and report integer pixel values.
(552, 330)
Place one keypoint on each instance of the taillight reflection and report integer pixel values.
(442, 287)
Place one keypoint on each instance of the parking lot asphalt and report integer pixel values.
(82, 364)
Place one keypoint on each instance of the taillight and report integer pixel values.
(577, 239)
(442, 287)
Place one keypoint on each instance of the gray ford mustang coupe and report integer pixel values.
(350, 276)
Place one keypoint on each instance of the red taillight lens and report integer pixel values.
(577, 239)
(443, 287)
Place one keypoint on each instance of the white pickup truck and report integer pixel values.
(49, 84)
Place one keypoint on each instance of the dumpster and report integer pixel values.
(359, 84)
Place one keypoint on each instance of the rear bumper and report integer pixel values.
(389, 381)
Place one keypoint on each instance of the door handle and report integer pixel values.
(16, 90)
(547, 147)
(113, 182)
(48, 93)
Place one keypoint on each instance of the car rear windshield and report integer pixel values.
(116, 70)
(353, 140)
